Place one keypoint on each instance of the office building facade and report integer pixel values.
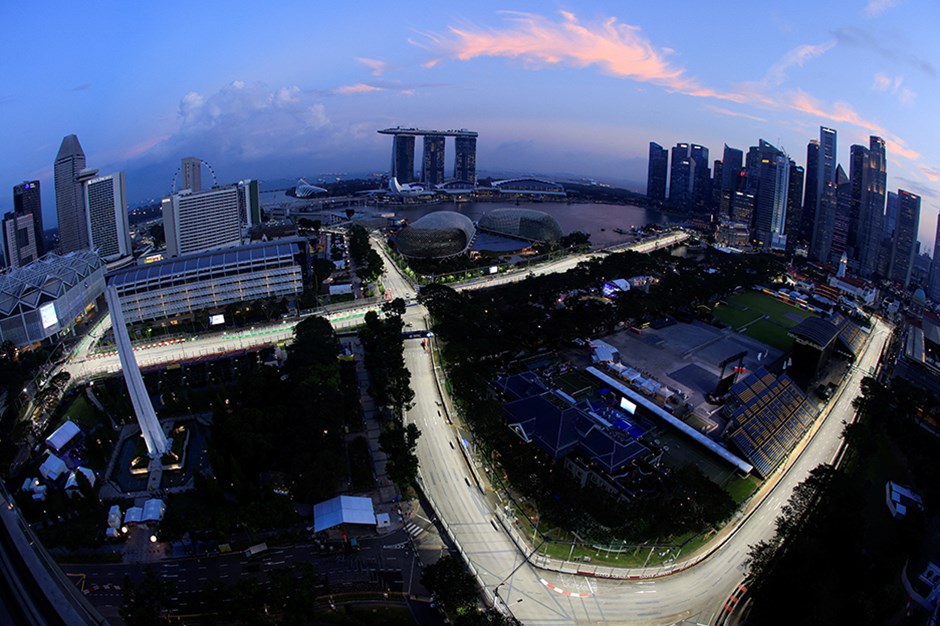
(732, 160)
(904, 243)
(209, 281)
(69, 199)
(872, 207)
(432, 161)
(20, 246)
(194, 222)
(27, 199)
(656, 173)
(811, 192)
(794, 205)
(680, 176)
(108, 228)
(465, 158)
(403, 158)
(701, 177)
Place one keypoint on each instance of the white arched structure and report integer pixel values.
(155, 438)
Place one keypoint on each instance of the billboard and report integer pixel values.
(494, 269)
(627, 406)
(215, 320)
(48, 315)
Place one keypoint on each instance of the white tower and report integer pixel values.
(157, 443)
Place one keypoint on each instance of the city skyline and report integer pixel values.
(550, 91)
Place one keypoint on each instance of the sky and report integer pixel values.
(284, 89)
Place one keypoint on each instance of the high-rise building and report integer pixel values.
(811, 191)
(249, 202)
(891, 213)
(207, 220)
(732, 160)
(403, 158)
(191, 169)
(432, 161)
(656, 173)
(826, 209)
(840, 229)
(680, 176)
(108, 228)
(934, 283)
(872, 207)
(742, 207)
(794, 205)
(717, 173)
(826, 164)
(20, 243)
(904, 244)
(465, 158)
(27, 200)
(701, 177)
(858, 161)
(69, 203)
(770, 212)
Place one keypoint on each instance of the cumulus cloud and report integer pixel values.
(615, 48)
(346, 90)
(247, 121)
(378, 67)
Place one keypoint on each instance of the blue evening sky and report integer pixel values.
(284, 89)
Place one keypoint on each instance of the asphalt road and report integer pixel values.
(694, 595)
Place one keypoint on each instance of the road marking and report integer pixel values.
(562, 591)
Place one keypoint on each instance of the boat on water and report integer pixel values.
(620, 231)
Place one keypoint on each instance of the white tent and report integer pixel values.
(62, 435)
(114, 517)
(52, 468)
(153, 510)
(72, 483)
(133, 515)
(343, 510)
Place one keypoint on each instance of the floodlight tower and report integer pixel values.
(157, 443)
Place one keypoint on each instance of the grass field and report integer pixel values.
(573, 382)
(82, 413)
(748, 306)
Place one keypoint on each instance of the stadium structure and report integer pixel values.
(437, 235)
(48, 296)
(527, 224)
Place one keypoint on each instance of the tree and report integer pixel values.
(399, 444)
(146, 600)
(451, 584)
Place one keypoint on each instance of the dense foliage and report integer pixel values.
(369, 264)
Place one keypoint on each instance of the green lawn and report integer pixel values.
(733, 317)
(742, 488)
(573, 382)
(771, 334)
(82, 413)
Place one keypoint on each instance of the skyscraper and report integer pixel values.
(904, 244)
(858, 161)
(656, 173)
(680, 176)
(811, 191)
(731, 162)
(824, 225)
(432, 161)
(794, 205)
(69, 203)
(933, 287)
(465, 158)
(108, 229)
(19, 239)
(872, 207)
(202, 221)
(840, 230)
(191, 169)
(403, 158)
(701, 177)
(891, 213)
(773, 180)
(27, 200)
(826, 164)
(249, 202)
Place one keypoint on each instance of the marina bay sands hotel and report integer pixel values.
(432, 161)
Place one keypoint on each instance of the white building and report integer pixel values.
(208, 220)
(108, 229)
(20, 243)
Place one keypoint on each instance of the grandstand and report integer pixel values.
(767, 418)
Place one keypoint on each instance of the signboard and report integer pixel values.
(627, 406)
(48, 315)
(494, 269)
(215, 320)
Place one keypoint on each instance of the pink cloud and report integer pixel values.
(616, 48)
(346, 90)
(378, 67)
(932, 173)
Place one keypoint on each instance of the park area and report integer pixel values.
(763, 317)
